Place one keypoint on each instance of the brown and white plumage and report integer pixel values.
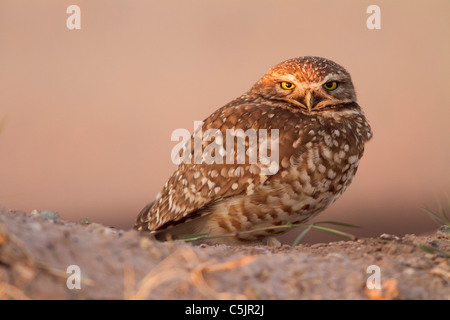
(322, 132)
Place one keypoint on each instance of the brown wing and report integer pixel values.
(194, 187)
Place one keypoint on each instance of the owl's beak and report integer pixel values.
(308, 100)
(311, 99)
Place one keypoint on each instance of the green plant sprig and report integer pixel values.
(308, 227)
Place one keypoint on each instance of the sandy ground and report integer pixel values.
(37, 250)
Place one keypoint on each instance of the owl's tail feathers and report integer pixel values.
(142, 219)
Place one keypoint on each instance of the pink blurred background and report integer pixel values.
(89, 112)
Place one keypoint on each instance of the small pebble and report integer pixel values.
(84, 221)
(145, 243)
(337, 255)
(433, 244)
(444, 230)
(109, 231)
(258, 250)
(46, 215)
(386, 236)
(409, 271)
(35, 226)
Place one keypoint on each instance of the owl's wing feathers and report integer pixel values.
(193, 187)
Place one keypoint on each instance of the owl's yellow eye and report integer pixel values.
(330, 85)
(287, 85)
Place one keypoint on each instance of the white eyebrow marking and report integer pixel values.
(288, 77)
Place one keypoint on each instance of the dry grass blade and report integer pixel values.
(348, 225)
(435, 217)
(198, 237)
(203, 236)
(440, 217)
(336, 232)
(193, 237)
(169, 269)
(10, 239)
(301, 235)
(229, 264)
(10, 292)
(128, 281)
(388, 291)
(428, 249)
(163, 272)
(199, 280)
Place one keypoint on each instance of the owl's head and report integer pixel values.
(311, 83)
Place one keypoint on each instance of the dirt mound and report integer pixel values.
(43, 257)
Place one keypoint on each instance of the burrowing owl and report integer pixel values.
(321, 136)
